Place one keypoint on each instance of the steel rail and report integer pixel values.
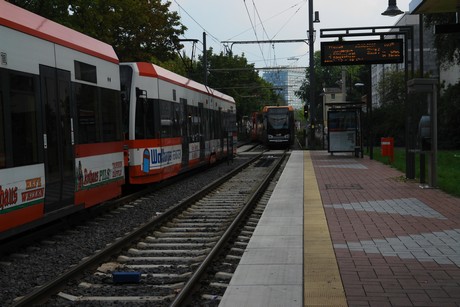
(39, 294)
(190, 285)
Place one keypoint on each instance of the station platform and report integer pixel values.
(346, 231)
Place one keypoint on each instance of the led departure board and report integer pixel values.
(362, 52)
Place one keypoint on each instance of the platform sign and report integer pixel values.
(342, 130)
(362, 52)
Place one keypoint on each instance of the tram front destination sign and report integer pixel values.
(362, 52)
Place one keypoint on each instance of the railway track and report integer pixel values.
(217, 279)
(163, 260)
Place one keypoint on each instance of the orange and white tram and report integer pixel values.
(76, 125)
(61, 140)
(173, 123)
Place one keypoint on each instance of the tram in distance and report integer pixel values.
(76, 125)
(274, 126)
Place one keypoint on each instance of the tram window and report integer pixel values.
(23, 120)
(212, 124)
(178, 120)
(193, 123)
(85, 72)
(166, 118)
(87, 119)
(2, 134)
(110, 113)
(224, 122)
(205, 125)
(140, 120)
(152, 127)
(145, 123)
(219, 123)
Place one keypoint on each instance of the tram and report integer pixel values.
(76, 125)
(61, 136)
(173, 123)
(274, 126)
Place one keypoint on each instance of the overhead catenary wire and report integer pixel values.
(204, 30)
(258, 25)
(268, 19)
(289, 19)
(255, 32)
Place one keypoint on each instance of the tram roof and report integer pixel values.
(155, 71)
(266, 108)
(16, 18)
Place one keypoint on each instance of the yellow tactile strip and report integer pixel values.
(322, 282)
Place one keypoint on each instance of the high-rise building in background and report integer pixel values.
(286, 82)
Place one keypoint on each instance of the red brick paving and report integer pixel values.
(371, 279)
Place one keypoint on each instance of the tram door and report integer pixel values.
(202, 132)
(185, 132)
(58, 139)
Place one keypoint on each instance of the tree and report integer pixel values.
(449, 118)
(232, 75)
(389, 118)
(56, 10)
(138, 30)
(331, 76)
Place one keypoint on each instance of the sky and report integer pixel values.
(257, 20)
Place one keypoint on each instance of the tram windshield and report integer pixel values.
(278, 118)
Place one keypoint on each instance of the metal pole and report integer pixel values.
(434, 136)
(312, 73)
(205, 60)
(421, 74)
(370, 140)
(409, 137)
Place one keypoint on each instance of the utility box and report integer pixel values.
(428, 125)
(424, 133)
(387, 148)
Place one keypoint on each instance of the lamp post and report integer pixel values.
(392, 9)
(311, 51)
(368, 88)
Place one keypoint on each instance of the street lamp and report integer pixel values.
(367, 88)
(312, 18)
(392, 9)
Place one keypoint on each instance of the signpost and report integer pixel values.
(362, 52)
(369, 55)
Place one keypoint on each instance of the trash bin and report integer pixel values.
(387, 148)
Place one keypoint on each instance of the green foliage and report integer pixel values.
(331, 76)
(449, 171)
(448, 167)
(138, 30)
(449, 118)
(391, 89)
(56, 10)
(389, 118)
(232, 75)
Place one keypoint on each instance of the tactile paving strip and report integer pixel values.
(322, 282)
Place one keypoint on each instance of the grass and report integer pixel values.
(448, 167)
